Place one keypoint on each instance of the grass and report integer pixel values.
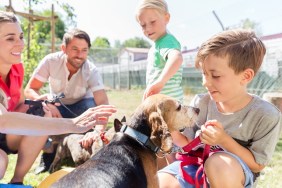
(126, 102)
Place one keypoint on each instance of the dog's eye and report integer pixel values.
(179, 107)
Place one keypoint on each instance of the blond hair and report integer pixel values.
(242, 47)
(159, 5)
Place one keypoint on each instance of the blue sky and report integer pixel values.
(192, 22)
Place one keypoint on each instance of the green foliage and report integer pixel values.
(101, 42)
(70, 13)
(38, 33)
(136, 42)
(249, 24)
(100, 55)
(34, 1)
(66, 8)
(101, 51)
(34, 51)
(43, 28)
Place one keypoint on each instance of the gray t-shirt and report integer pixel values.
(257, 126)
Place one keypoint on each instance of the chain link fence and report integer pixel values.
(132, 75)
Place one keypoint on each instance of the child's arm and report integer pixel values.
(215, 135)
(179, 139)
(174, 61)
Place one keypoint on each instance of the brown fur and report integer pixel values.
(124, 162)
(68, 147)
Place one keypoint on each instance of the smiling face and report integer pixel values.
(153, 23)
(76, 51)
(11, 43)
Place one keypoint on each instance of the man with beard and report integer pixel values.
(71, 74)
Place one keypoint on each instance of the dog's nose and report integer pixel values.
(197, 110)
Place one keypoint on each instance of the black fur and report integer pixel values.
(103, 169)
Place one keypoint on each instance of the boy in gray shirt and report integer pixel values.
(245, 127)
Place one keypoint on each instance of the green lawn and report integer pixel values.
(126, 102)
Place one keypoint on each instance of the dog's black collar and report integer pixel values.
(140, 137)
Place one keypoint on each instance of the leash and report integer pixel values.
(197, 159)
(58, 99)
(140, 137)
(36, 108)
(194, 160)
(74, 114)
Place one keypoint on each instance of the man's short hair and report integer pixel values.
(76, 33)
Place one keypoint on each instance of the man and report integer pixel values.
(68, 72)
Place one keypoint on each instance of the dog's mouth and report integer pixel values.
(191, 122)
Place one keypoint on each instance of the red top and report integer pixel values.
(13, 86)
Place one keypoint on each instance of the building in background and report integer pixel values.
(130, 70)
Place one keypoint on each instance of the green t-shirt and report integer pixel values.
(157, 58)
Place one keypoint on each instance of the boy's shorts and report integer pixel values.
(173, 169)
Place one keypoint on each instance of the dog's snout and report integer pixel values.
(196, 110)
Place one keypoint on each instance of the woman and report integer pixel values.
(17, 125)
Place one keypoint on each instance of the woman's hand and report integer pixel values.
(51, 108)
(93, 116)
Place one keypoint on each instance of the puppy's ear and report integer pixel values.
(123, 120)
(160, 135)
(117, 125)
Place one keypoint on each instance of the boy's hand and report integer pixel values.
(212, 133)
(153, 89)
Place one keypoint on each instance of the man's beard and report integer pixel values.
(73, 62)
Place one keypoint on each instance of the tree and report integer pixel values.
(136, 42)
(70, 16)
(101, 42)
(40, 33)
(248, 24)
(43, 28)
(32, 59)
(101, 51)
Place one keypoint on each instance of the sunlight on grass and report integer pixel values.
(271, 175)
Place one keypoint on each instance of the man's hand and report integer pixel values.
(54, 110)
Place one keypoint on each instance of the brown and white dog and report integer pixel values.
(129, 160)
(68, 147)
